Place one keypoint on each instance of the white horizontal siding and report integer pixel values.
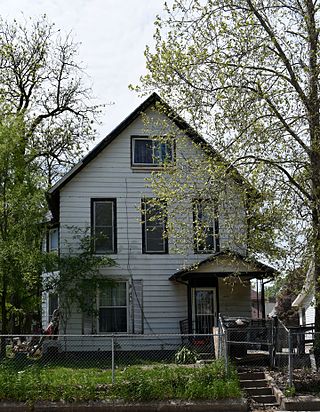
(110, 175)
(235, 299)
(310, 314)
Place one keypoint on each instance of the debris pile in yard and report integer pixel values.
(305, 381)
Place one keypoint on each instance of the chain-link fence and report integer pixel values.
(303, 351)
(113, 352)
(243, 342)
(253, 343)
(249, 342)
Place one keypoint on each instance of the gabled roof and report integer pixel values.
(242, 265)
(152, 100)
(307, 292)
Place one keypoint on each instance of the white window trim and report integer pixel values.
(50, 249)
(58, 301)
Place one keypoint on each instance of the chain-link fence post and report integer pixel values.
(223, 335)
(112, 360)
(290, 365)
(226, 352)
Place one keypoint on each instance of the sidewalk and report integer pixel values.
(239, 405)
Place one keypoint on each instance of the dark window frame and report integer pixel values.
(114, 211)
(215, 227)
(165, 250)
(153, 164)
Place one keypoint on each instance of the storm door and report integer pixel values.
(204, 309)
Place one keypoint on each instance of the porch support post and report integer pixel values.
(263, 302)
(258, 300)
(189, 309)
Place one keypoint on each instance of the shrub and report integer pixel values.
(176, 382)
(185, 356)
(139, 383)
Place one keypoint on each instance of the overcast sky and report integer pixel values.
(113, 35)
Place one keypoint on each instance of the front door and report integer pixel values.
(204, 309)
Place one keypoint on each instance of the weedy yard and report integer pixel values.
(133, 383)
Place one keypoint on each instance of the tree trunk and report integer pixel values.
(316, 344)
(314, 130)
(316, 246)
(315, 179)
(4, 326)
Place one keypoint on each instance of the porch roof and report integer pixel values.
(225, 263)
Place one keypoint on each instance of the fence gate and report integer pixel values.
(250, 342)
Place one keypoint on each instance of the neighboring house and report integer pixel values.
(257, 304)
(156, 288)
(305, 301)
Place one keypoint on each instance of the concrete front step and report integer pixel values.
(259, 391)
(269, 399)
(204, 361)
(244, 376)
(266, 407)
(254, 383)
(257, 387)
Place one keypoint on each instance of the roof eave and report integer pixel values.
(266, 271)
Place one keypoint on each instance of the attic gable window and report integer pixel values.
(206, 226)
(148, 152)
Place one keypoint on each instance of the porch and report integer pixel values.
(219, 284)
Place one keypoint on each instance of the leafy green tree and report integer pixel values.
(75, 277)
(200, 182)
(42, 81)
(46, 122)
(246, 74)
(22, 209)
(286, 290)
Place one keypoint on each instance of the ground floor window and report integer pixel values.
(53, 304)
(113, 308)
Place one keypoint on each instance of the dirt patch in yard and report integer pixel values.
(305, 381)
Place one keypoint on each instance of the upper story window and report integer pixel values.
(103, 226)
(148, 152)
(206, 226)
(53, 240)
(153, 228)
(113, 308)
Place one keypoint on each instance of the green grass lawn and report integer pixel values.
(135, 383)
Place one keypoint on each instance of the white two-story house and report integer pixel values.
(156, 289)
